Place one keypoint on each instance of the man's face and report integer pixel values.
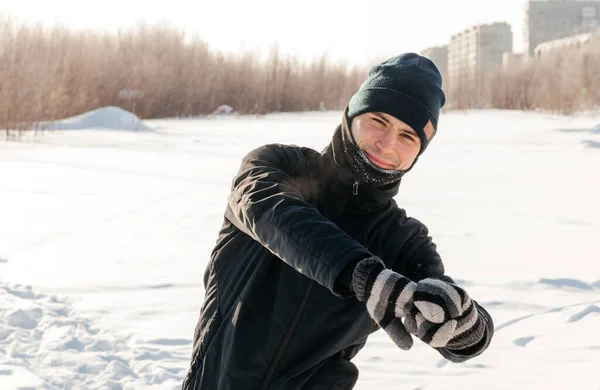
(387, 142)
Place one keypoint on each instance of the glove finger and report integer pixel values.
(396, 331)
(425, 328)
(437, 335)
(431, 311)
(403, 298)
(410, 322)
(390, 297)
(438, 301)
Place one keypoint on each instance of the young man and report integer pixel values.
(314, 255)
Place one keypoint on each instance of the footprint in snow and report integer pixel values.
(587, 311)
(523, 341)
(45, 336)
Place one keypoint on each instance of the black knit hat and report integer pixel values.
(408, 87)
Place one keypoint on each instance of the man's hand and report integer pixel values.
(444, 316)
(387, 295)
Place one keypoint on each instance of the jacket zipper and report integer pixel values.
(287, 337)
(355, 188)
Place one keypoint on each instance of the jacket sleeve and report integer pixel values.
(416, 255)
(268, 203)
(420, 260)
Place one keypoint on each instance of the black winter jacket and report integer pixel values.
(276, 315)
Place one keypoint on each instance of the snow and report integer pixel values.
(105, 236)
(111, 117)
(43, 337)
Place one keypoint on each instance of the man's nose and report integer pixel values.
(387, 141)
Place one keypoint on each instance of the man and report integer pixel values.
(314, 255)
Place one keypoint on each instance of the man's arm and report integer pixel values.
(422, 260)
(267, 203)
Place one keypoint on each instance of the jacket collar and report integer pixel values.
(344, 182)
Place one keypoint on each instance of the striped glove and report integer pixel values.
(444, 316)
(387, 295)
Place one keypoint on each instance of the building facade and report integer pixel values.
(439, 56)
(555, 19)
(578, 42)
(476, 50)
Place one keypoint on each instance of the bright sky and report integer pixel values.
(354, 30)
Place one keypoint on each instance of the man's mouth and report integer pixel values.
(380, 163)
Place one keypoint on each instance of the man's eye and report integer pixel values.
(407, 136)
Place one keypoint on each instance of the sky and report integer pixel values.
(357, 31)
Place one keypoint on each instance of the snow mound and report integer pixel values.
(45, 343)
(110, 117)
(224, 109)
